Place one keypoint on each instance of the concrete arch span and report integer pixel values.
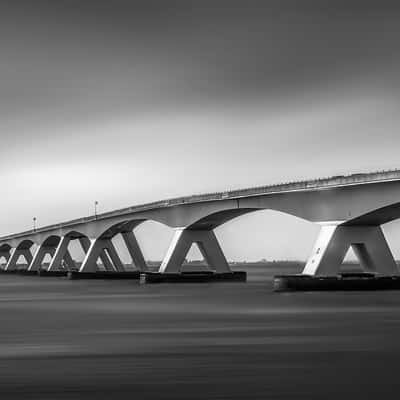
(377, 217)
(96, 244)
(201, 232)
(47, 246)
(363, 234)
(5, 248)
(121, 227)
(103, 243)
(25, 244)
(75, 235)
(51, 241)
(56, 246)
(62, 258)
(219, 218)
(209, 214)
(22, 250)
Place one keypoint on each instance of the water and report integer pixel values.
(63, 339)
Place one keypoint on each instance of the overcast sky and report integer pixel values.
(126, 102)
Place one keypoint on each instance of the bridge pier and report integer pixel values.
(134, 250)
(322, 271)
(6, 255)
(104, 249)
(85, 244)
(368, 243)
(62, 253)
(180, 246)
(39, 256)
(170, 269)
(15, 255)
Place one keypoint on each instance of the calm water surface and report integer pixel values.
(63, 339)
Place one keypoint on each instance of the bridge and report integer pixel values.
(349, 209)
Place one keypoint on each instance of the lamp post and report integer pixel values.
(34, 224)
(96, 203)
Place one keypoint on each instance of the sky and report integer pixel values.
(126, 102)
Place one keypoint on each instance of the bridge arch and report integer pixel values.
(51, 241)
(377, 217)
(203, 232)
(371, 220)
(5, 247)
(21, 251)
(119, 237)
(25, 244)
(121, 227)
(74, 234)
(218, 218)
(388, 217)
(78, 243)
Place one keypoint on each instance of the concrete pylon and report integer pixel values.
(112, 253)
(62, 253)
(180, 246)
(104, 249)
(368, 243)
(6, 255)
(39, 256)
(134, 251)
(15, 255)
(105, 259)
(69, 261)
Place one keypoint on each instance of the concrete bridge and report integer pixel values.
(349, 209)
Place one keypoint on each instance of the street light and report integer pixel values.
(34, 224)
(96, 203)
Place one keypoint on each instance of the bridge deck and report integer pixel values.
(314, 184)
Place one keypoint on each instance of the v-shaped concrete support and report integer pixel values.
(6, 255)
(102, 248)
(39, 256)
(368, 243)
(180, 246)
(62, 253)
(15, 255)
(134, 251)
(105, 259)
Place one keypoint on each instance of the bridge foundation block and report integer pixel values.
(116, 275)
(193, 277)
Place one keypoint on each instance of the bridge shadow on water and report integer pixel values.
(65, 339)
